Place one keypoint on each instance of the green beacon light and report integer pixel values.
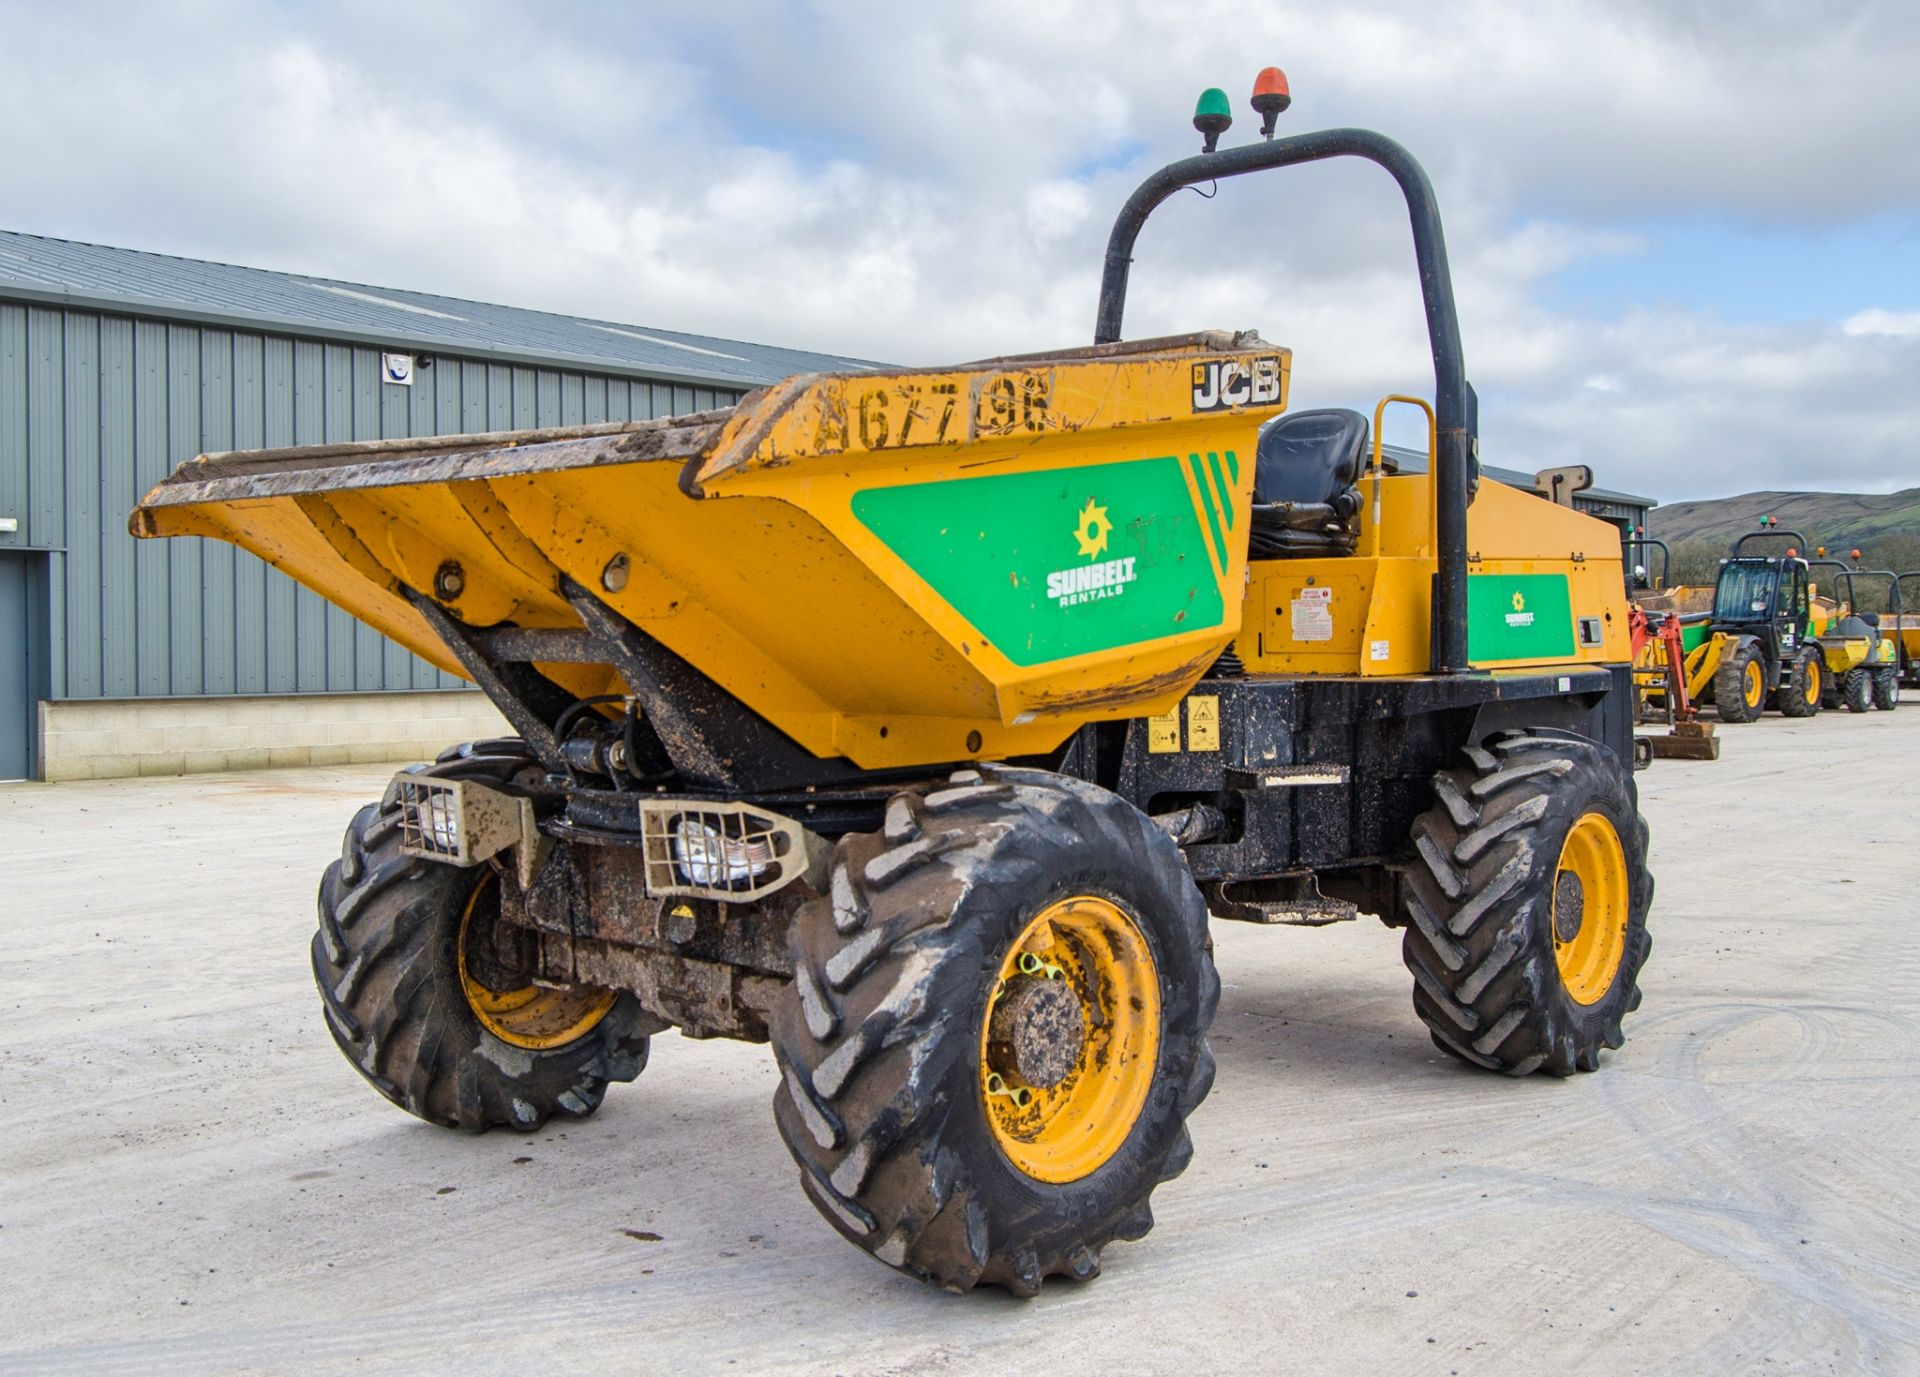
(1213, 116)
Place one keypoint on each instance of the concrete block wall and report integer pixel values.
(116, 738)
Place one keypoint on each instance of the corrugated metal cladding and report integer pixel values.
(103, 406)
(95, 277)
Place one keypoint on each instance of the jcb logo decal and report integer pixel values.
(1223, 383)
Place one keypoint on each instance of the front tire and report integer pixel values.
(960, 1125)
(1805, 684)
(1856, 689)
(417, 1001)
(1740, 684)
(1527, 905)
(1886, 688)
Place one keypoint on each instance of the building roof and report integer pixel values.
(62, 272)
(1415, 461)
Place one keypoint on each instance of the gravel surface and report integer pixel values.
(194, 1181)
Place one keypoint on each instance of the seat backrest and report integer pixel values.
(1858, 627)
(1310, 456)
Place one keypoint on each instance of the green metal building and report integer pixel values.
(123, 657)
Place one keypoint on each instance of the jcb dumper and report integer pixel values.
(916, 722)
(1861, 651)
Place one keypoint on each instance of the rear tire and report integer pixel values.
(389, 965)
(1856, 689)
(1886, 687)
(1502, 978)
(1805, 683)
(886, 1101)
(1735, 681)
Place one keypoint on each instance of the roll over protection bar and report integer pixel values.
(1846, 571)
(1632, 543)
(1799, 540)
(1457, 454)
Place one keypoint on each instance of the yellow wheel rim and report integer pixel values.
(1590, 905)
(529, 1016)
(1069, 1130)
(1756, 684)
(1813, 682)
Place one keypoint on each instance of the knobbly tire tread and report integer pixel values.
(1793, 698)
(1479, 940)
(1856, 689)
(1729, 686)
(1886, 688)
(383, 959)
(878, 1044)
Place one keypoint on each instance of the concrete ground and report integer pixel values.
(194, 1181)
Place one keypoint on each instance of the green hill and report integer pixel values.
(1830, 518)
(1884, 527)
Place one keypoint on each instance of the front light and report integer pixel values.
(704, 857)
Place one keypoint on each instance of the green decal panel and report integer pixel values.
(1518, 617)
(1051, 565)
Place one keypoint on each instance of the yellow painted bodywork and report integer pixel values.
(1650, 668)
(1686, 599)
(743, 553)
(747, 560)
(1703, 662)
(1380, 595)
(1843, 653)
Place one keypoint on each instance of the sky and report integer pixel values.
(1683, 235)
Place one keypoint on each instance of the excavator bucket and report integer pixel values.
(898, 568)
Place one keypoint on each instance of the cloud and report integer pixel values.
(931, 184)
(1899, 324)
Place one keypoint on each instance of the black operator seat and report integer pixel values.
(1858, 626)
(1305, 493)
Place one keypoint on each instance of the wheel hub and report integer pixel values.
(1038, 1031)
(1592, 901)
(1569, 906)
(1069, 1038)
(507, 1003)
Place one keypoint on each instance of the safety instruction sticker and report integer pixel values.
(1203, 723)
(1313, 614)
(1163, 732)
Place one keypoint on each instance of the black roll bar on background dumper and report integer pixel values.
(1799, 541)
(1648, 543)
(1893, 610)
(1456, 462)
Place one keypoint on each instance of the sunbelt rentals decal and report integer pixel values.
(1519, 617)
(1065, 561)
(1108, 578)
